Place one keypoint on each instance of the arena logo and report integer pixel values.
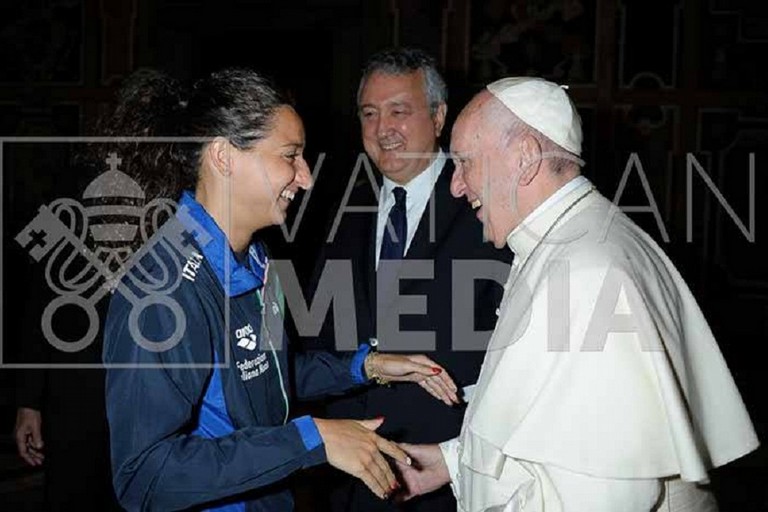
(246, 338)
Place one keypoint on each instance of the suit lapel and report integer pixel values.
(437, 219)
(368, 266)
(355, 241)
(436, 222)
(365, 259)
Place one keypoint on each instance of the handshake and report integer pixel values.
(354, 447)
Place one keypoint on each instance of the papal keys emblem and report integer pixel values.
(90, 245)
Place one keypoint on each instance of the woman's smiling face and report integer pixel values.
(267, 175)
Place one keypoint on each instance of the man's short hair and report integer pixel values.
(404, 60)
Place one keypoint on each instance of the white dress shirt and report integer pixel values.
(417, 197)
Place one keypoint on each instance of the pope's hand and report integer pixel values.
(427, 472)
(355, 448)
(413, 368)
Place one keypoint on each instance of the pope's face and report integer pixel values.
(399, 132)
(483, 176)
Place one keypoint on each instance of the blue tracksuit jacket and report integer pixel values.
(198, 376)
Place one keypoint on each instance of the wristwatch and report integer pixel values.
(368, 363)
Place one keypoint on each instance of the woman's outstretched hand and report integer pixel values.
(416, 368)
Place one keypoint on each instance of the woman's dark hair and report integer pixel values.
(238, 104)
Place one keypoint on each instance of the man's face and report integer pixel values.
(484, 176)
(395, 119)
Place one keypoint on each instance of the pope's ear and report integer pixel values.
(529, 152)
(218, 153)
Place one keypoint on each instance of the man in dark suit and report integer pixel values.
(416, 232)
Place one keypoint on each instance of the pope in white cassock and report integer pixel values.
(603, 388)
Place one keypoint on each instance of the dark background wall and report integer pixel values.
(660, 79)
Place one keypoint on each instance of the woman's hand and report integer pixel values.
(354, 447)
(413, 368)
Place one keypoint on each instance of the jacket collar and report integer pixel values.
(234, 277)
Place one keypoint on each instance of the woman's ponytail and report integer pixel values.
(150, 104)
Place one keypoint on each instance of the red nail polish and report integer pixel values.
(437, 371)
